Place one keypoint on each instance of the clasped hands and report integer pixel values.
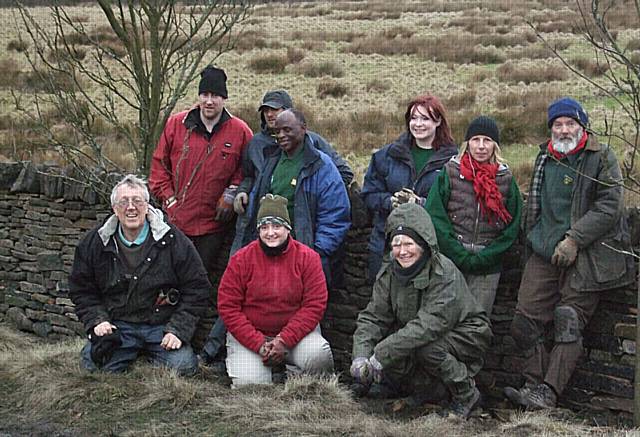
(366, 370)
(274, 351)
(406, 195)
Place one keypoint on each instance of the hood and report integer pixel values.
(415, 217)
(156, 222)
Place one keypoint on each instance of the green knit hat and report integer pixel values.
(273, 210)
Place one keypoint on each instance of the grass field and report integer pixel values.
(353, 65)
(44, 392)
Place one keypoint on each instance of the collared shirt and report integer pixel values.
(142, 236)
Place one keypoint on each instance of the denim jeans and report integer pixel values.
(141, 337)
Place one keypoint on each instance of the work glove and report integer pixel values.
(224, 208)
(277, 352)
(565, 253)
(240, 203)
(361, 370)
(103, 347)
(406, 195)
(376, 369)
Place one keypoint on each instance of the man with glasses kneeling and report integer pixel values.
(138, 285)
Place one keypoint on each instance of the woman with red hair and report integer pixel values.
(403, 171)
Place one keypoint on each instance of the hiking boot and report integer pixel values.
(541, 397)
(519, 397)
(383, 391)
(463, 408)
(217, 367)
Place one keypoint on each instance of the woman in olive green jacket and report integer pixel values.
(421, 317)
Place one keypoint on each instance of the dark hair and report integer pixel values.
(436, 112)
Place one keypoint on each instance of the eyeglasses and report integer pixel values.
(124, 202)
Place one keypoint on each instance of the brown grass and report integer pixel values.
(377, 85)
(464, 99)
(633, 44)
(319, 69)
(273, 63)
(591, 67)
(513, 72)
(331, 88)
(323, 35)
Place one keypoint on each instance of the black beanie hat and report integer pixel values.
(213, 80)
(409, 232)
(483, 125)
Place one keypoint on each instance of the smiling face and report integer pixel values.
(405, 250)
(289, 132)
(211, 105)
(131, 210)
(272, 234)
(421, 125)
(481, 148)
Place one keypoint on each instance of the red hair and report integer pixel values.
(436, 112)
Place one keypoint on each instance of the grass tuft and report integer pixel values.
(17, 45)
(319, 69)
(273, 63)
(331, 88)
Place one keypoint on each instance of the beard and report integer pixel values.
(565, 145)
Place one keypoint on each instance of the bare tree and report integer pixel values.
(143, 63)
(621, 73)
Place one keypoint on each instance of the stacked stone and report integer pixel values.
(37, 243)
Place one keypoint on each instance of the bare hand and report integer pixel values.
(171, 342)
(104, 328)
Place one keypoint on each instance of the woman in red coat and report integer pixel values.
(271, 298)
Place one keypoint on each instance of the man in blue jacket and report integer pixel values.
(264, 144)
(318, 201)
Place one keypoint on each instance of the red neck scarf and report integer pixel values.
(579, 147)
(488, 195)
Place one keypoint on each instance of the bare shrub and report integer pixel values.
(17, 45)
(331, 88)
(318, 69)
(269, 63)
(12, 78)
(480, 75)
(557, 26)
(513, 72)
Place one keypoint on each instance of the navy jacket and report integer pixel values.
(322, 213)
(391, 169)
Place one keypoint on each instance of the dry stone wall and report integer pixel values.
(42, 219)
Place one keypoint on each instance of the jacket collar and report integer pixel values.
(193, 121)
(154, 216)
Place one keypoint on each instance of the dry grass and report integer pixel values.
(331, 88)
(46, 392)
(345, 57)
(514, 72)
(319, 69)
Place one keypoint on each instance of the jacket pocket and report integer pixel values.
(604, 262)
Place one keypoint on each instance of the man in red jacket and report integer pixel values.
(195, 169)
(271, 298)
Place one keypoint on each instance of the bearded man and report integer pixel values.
(574, 217)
